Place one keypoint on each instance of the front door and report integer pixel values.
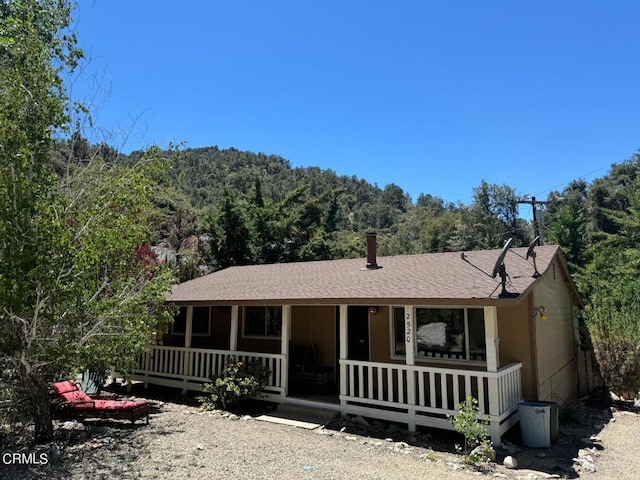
(358, 333)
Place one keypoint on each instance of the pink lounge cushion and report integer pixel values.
(69, 392)
(119, 404)
(64, 387)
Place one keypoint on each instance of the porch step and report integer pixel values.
(297, 416)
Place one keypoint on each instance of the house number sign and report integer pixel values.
(407, 328)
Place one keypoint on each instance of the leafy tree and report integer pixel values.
(77, 286)
(612, 315)
(568, 228)
(611, 282)
(491, 219)
(229, 234)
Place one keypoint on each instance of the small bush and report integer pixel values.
(468, 422)
(238, 381)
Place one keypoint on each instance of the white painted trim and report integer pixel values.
(344, 351)
(233, 337)
(410, 334)
(284, 346)
(491, 338)
(188, 327)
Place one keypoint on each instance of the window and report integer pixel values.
(200, 322)
(179, 325)
(262, 322)
(452, 333)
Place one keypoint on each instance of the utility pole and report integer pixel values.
(533, 202)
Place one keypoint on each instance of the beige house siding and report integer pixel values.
(315, 327)
(516, 345)
(556, 355)
(379, 341)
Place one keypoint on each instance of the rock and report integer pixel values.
(233, 416)
(589, 466)
(71, 425)
(400, 446)
(532, 476)
(484, 452)
(246, 417)
(351, 438)
(583, 453)
(200, 446)
(509, 448)
(510, 462)
(595, 438)
(388, 439)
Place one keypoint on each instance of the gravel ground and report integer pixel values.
(182, 442)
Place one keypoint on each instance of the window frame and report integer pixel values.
(266, 336)
(193, 317)
(467, 360)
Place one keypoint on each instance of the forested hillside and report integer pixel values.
(221, 207)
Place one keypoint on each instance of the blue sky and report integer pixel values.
(433, 96)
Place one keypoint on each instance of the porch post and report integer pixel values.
(493, 363)
(343, 356)
(233, 336)
(186, 355)
(410, 359)
(284, 348)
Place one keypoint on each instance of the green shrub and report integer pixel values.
(238, 380)
(469, 422)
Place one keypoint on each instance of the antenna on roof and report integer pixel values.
(463, 256)
(532, 254)
(500, 269)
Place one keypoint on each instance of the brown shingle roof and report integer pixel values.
(444, 277)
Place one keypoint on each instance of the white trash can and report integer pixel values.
(535, 424)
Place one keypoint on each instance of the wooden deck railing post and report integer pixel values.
(343, 357)
(233, 334)
(284, 348)
(186, 367)
(492, 342)
(410, 351)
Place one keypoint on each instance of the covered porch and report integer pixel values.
(416, 391)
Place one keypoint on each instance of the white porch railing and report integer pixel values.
(426, 395)
(189, 368)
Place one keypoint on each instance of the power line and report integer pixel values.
(569, 181)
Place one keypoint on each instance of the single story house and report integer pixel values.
(400, 338)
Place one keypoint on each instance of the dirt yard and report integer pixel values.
(183, 442)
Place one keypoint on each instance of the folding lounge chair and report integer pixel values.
(77, 404)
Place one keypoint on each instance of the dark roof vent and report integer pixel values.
(372, 252)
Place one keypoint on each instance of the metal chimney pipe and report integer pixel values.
(371, 251)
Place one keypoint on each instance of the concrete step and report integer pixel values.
(298, 416)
